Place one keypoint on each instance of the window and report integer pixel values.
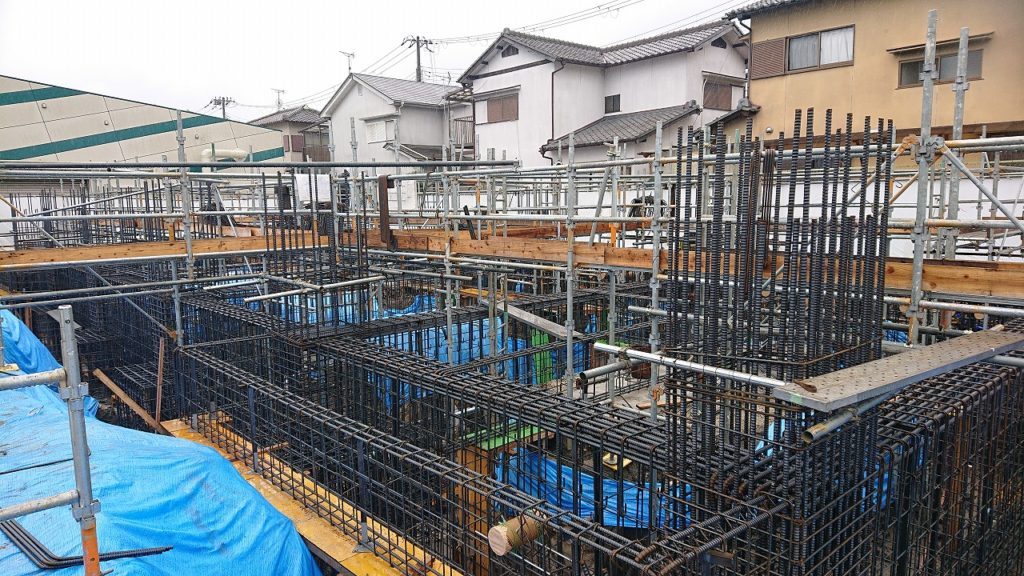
(503, 108)
(910, 70)
(611, 104)
(298, 142)
(717, 95)
(380, 131)
(821, 49)
(509, 51)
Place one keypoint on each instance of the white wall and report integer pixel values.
(519, 139)
(422, 126)
(653, 83)
(358, 102)
(578, 99)
(721, 61)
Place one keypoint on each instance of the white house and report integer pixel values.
(373, 118)
(529, 92)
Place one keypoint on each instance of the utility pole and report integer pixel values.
(280, 104)
(350, 56)
(222, 101)
(420, 42)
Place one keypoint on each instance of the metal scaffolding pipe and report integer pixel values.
(706, 369)
(38, 505)
(35, 379)
(346, 283)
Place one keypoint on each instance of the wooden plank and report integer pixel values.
(15, 258)
(542, 324)
(124, 397)
(339, 549)
(1000, 279)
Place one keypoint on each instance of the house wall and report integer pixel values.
(870, 85)
(720, 61)
(423, 126)
(519, 139)
(652, 83)
(360, 103)
(579, 98)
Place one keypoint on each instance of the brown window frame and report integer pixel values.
(938, 59)
(499, 104)
(818, 33)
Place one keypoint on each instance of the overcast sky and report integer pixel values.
(184, 52)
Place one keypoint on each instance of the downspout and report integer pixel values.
(552, 137)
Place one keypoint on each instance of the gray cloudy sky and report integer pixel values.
(184, 52)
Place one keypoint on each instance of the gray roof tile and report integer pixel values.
(299, 114)
(761, 6)
(628, 126)
(408, 91)
(668, 43)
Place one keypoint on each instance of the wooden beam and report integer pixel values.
(124, 397)
(1000, 279)
(21, 258)
(542, 324)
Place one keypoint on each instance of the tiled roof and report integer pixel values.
(668, 43)
(761, 6)
(628, 126)
(299, 114)
(408, 91)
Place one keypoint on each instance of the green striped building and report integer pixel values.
(50, 123)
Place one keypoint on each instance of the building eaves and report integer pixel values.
(554, 49)
(662, 44)
(627, 127)
(761, 6)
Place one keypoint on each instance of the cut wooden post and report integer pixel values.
(517, 531)
(160, 377)
(123, 397)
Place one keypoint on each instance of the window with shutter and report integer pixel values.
(768, 59)
(717, 95)
(287, 143)
(503, 108)
(298, 142)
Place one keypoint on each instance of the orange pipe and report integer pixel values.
(90, 548)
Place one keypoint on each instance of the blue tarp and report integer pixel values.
(625, 504)
(154, 491)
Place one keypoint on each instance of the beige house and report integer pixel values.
(304, 133)
(864, 56)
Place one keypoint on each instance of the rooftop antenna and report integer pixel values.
(280, 104)
(350, 56)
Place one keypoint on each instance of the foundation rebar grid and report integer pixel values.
(419, 433)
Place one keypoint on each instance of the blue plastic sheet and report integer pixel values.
(21, 347)
(154, 491)
(625, 504)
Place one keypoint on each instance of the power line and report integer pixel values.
(396, 63)
(377, 61)
(687, 20)
(223, 102)
(566, 19)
